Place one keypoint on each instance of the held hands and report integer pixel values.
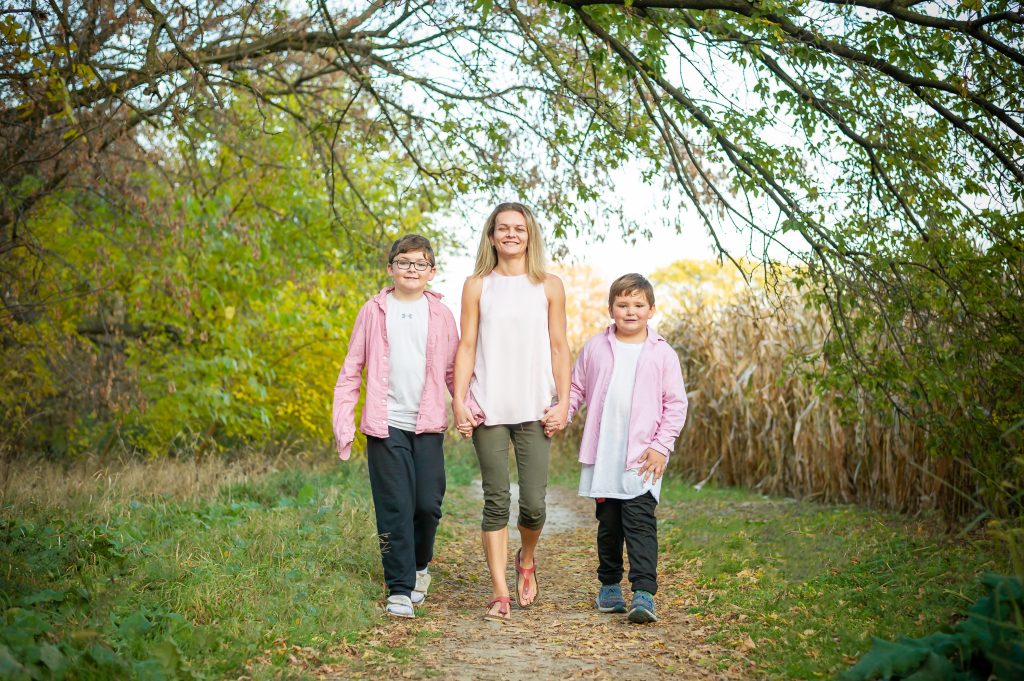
(653, 465)
(463, 419)
(555, 418)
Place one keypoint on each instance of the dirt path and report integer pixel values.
(561, 637)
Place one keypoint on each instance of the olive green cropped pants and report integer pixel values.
(533, 453)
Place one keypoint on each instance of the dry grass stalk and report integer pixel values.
(755, 422)
(101, 485)
(760, 425)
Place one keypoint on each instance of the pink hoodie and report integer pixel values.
(659, 403)
(368, 347)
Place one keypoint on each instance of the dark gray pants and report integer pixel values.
(533, 452)
(632, 521)
(408, 484)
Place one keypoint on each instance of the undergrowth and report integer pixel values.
(800, 589)
(200, 588)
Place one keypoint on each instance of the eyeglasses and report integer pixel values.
(420, 265)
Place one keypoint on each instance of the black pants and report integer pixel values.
(407, 482)
(632, 521)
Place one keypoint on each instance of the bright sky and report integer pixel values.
(608, 259)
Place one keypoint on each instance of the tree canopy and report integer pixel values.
(878, 143)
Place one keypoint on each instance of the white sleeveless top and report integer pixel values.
(512, 380)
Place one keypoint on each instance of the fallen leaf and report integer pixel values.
(747, 645)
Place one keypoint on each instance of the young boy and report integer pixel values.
(630, 379)
(406, 339)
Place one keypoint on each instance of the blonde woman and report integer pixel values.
(513, 361)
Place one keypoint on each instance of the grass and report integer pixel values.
(262, 568)
(800, 588)
(210, 586)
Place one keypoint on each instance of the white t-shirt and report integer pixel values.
(407, 359)
(608, 477)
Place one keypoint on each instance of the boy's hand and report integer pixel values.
(554, 419)
(653, 465)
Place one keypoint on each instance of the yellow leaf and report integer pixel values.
(229, 312)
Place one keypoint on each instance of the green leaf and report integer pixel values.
(307, 494)
(44, 596)
(106, 658)
(135, 625)
(10, 668)
(52, 658)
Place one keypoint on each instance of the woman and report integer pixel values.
(512, 360)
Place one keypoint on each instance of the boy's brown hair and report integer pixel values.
(628, 283)
(410, 243)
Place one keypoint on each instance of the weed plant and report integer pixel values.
(799, 589)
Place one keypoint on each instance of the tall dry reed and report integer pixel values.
(756, 421)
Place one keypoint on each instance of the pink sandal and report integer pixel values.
(525, 573)
(504, 613)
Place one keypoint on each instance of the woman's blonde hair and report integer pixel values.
(487, 256)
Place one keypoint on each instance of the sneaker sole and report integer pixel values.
(618, 608)
(392, 613)
(642, 616)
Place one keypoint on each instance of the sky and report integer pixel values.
(612, 257)
(608, 259)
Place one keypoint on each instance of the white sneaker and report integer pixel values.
(416, 597)
(422, 583)
(400, 606)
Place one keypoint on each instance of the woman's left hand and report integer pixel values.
(555, 418)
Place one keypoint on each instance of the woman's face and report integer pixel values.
(510, 236)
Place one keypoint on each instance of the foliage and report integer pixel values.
(86, 83)
(888, 168)
(586, 304)
(687, 284)
(989, 643)
(877, 146)
(799, 588)
(210, 305)
(189, 589)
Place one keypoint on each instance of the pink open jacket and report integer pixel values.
(368, 348)
(658, 409)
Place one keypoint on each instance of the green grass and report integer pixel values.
(286, 566)
(460, 464)
(204, 587)
(811, 584)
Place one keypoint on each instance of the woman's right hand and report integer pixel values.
(555, 419)
(463, 419)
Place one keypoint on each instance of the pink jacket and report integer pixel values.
(658, 410)
(368, 347)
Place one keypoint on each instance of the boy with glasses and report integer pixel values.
(406, 339)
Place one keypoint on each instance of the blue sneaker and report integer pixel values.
(642, 609)
(610, 599)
